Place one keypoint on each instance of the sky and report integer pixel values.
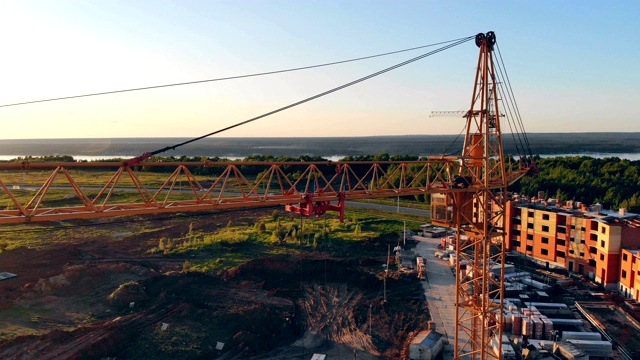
(574, 66)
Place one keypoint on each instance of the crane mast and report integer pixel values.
(476, 208)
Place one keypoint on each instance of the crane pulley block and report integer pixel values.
(308, 207)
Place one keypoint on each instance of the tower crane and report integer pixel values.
(477, 208)
(468, 193)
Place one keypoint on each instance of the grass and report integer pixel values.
(233, 245)
(18, 321)
(370, 224)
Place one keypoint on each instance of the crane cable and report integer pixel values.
(173, 147)
(518, 117)
(229, 77)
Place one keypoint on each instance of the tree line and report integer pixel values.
(612, 182)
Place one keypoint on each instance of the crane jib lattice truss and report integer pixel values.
(468, 193)
(123, 190)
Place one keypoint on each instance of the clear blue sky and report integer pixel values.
(574, 65)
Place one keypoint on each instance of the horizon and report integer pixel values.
(239, 147)
(308, 137)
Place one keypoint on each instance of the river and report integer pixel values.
(597, 155)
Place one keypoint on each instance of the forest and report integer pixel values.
(612, 182)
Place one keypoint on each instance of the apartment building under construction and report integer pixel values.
(603, 245)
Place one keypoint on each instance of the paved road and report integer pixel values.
(404, 210)
(440, 291)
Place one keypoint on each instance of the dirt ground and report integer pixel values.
(102, 294)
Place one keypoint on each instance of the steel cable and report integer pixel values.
(229, 77)
(173, 147)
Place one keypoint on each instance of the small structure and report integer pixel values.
(429, 230)
(422, 274)
(427, 345)
(505, 346)
(7, 275)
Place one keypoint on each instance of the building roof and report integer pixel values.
(603, 216)
(427, 338)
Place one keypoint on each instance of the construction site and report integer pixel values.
(121, 290)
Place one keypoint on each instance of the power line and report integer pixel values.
(173, 147)
(227, 78)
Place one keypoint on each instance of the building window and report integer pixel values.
(593, 250)
(624, 274)
(545, 240)
(601, 243)
(593, 237)
(529, 248)
(592, 262)
(560, 254)
(601, 257)
(530, 213)
(582, 241)
(545, 216)
(544, 252)
(594, 225)
(573, 227)
(583, 229)
(571, 251)
(545, 228)
(515, 243)
(560, 242)
(529, 226)
(604, 230)
(529, 236)
(624, 257)
(581, 254)
(572, 239)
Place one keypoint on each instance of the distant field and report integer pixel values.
(541, 144)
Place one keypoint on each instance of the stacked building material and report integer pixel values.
(507, 324)
(571, 352)
(517, 324)
(581, 335)
(538, 327)
(527, 327)
(548, 328)
(596, 348)
(567, 322)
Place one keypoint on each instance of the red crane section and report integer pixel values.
(31, 192)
